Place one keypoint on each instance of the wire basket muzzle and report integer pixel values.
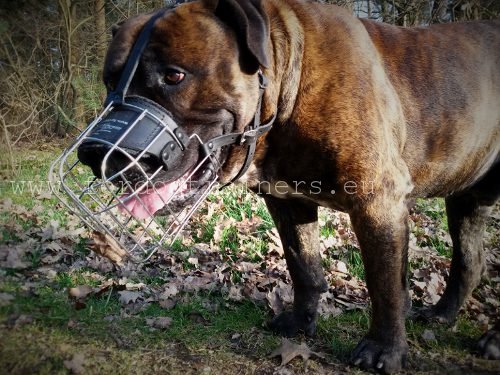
(91, 177)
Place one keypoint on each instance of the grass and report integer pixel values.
(205, 324)
(440, 246)
(327, 230)
(30, 177)
(435, 209)
(193, 323)
(355, 262)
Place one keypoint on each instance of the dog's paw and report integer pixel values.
(288, 324)
(489, 344)
(371, 354)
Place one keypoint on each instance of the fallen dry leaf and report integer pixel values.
(75, 365)
(161, 322)
(193, 261)
(280, 296)
(51, 259)
(80, 291)
(288, 350)
(127, 297)
(13, 256)
(5, 299)
(274, 302)
(199, 281)
(171, 290)
(103, 244)
(44, 195)
(340, 266)
(54, 246)
(104, 287)
(167, 304)
(50, 232)
(428, 335)
(133, 286)
(235, 293)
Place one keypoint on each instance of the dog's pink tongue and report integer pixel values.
(145, 204)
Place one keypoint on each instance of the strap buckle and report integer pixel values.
(249, 135)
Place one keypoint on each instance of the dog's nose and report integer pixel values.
(95, 155)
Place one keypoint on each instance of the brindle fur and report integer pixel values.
(409, 112)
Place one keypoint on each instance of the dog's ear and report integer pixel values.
(251, 24)
(115, 28)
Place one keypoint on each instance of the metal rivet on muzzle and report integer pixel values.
(179, 134)
(165, 155)
(170, 155)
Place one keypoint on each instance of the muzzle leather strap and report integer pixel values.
(247, 138)
(255, 130)
(119, 93)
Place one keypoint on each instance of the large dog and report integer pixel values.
(368, 117)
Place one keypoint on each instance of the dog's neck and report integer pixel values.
(285, 49)
(286, 46)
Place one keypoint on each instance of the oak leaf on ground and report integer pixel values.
(288, 350)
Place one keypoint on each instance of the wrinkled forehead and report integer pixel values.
(188, 32)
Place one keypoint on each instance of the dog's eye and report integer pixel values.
(174, 77)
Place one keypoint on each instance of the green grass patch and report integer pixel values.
(435, 209)
(327, 230)
(440, 246)
(229, 243)
(355, 262)
(341, 333)
(30, 177)
(203, 322)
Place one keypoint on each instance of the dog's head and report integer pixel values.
(197, 72)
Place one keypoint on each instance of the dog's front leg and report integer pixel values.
(297, 223)
(382, 232)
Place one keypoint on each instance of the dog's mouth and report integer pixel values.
(147, 199)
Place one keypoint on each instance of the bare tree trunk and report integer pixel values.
(69, 108)
(76, 105)
(64, 101)
(100, 28)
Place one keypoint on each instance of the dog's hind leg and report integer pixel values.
(468, 213)
(297, 223)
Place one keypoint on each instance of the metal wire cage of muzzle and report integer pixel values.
(121, 208)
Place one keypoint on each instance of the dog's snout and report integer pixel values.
(101, 158)
(92, 155)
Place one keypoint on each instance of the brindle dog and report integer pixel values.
(369, 116)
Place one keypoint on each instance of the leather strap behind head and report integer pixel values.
(119, 93)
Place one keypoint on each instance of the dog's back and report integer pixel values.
(447, 78)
